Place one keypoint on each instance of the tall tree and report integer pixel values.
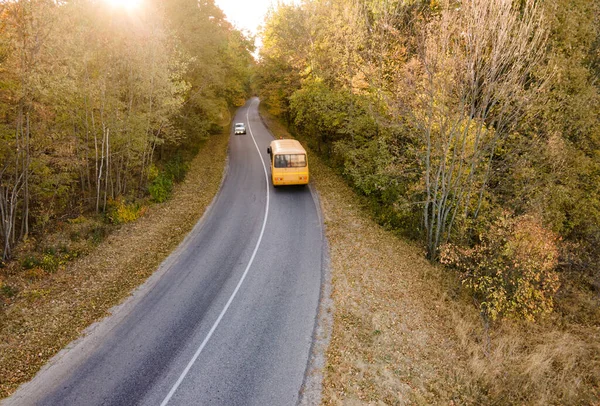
(89, 92)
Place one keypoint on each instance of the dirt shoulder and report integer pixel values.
(54, 311)
(393, 338)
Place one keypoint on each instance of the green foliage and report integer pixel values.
(176, 168)
(365, 167)
(320, 113)
(221, 56)
(284, 57)
(7, 290)
(98, 233)
(51, 262)
(414, 102)
(161, 187)
(512, 269)
(161, 182)
(30, 262)
(344, 128)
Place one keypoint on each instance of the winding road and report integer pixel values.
(229, 317)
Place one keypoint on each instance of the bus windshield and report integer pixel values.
(290, 161)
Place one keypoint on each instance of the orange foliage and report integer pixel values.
(512, 270)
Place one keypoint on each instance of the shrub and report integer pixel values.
(34, 273)
(512, 270)
(98, 233)
(120, 212)
(176, 168)
(152, 172)
(30, 262)
(8, 291)
(50, 263)
(78, 220)
(161, 181)
(161, 187)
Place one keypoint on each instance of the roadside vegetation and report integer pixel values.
(471, 129)
(104, 106)
(56, 300)
(113, 138)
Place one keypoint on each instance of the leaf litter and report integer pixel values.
(51, 312)
(393, 339)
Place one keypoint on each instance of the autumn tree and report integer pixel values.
(96, 100)
(285, 57)
(476, 107)
(469, 86)
(26, 27)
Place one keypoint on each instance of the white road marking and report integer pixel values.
(216, 324)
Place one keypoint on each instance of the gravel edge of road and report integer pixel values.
(76, 350)
(311, 391)
(110, 294)
(312, 385)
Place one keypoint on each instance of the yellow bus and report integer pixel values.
(289, 165)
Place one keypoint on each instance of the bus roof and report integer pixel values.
(287, 147)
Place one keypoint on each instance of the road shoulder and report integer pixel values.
(394, 337)
(36, 328)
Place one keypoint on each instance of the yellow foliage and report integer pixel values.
(512, 270)
(152, 172)
(34, 273)
(78, 220)
(119, 212)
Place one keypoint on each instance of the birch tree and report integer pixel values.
(477, 71)
(26, 26)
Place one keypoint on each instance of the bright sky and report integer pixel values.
(127, 4)
(245, 14)
(248, 14)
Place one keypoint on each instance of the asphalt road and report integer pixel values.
(228, 319)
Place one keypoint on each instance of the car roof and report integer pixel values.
(239, 124)
(287, 147)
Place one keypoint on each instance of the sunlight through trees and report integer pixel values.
(96, 100)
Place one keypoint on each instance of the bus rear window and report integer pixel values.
(290, 161)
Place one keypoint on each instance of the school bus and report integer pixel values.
(289, 164)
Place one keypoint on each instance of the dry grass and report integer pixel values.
(529, 364)
(50, 312)
(405, 332)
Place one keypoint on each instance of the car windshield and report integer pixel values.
(239, 125)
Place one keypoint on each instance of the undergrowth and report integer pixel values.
(47, 298)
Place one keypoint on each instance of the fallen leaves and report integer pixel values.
(54, 310)
(390, 342)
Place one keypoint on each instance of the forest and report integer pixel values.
(102, 107)
(472, 127)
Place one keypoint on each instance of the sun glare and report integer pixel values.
(126, 4)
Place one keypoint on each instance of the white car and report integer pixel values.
(240, 128)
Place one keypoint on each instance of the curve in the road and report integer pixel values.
(237, 288)
(255, 329)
